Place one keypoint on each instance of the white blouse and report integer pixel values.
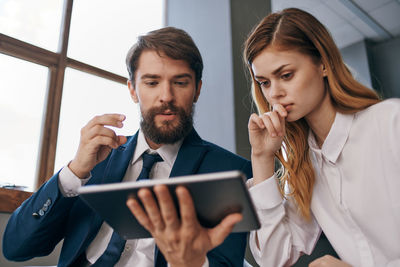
(356, 196)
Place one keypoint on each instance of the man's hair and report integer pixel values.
(171, 42)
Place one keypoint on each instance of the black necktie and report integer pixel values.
(148, 162)
(159, 260)
(114, 249)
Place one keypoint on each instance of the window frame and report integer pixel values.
(56, 62)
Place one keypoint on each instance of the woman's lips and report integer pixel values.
(288, 107)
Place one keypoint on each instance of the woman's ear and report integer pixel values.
(132, 91)
(324, 71)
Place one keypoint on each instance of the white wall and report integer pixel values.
(208, 22)
(356, 57)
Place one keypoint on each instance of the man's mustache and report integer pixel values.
(164, 107)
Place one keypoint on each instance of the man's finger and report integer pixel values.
(139, 213)
(121, 139)
(167, 207)
(186, 207)
(107, 119)
(151, 207)
(221, 231)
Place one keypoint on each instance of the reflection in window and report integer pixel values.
(22, 93)
(85, 96)
(37, 22)
(102, 33)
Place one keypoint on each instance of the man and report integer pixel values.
(165, 69)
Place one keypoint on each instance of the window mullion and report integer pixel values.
(54, 95)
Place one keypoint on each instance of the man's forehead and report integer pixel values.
(152, 63)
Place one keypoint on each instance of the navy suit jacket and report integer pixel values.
(57, 217)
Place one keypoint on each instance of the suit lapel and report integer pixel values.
(187, 162)
(189, 156)
(119, 161)
(114, 172)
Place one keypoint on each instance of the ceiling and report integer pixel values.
(350, 21)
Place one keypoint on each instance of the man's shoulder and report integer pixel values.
(218, 158)
(194, 139)
(222, 152)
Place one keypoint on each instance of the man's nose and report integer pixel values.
(166, 94)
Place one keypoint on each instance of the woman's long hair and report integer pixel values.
(295, 29)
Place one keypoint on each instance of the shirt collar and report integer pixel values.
(336, 139)
(167, 152)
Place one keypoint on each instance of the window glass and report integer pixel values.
(85, 96)
(22, 90)
(102, 33)
(37, 22)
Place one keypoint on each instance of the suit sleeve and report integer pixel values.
(246, 169)
(38, 225)
(231, 251)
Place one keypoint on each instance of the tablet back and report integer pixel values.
(215, 195)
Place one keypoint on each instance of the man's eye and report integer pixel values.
(181, 83)
(151, 83)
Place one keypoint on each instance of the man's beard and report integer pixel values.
(167, 133)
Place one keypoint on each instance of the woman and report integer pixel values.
(337, 143)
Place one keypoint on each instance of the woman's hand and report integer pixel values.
(328, 261)
(266, 133)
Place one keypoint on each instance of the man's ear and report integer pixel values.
(197, 94)
(133, 92)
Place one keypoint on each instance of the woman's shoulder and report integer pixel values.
(383, 117)
(386, 107)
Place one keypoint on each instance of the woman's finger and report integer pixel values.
(276, 122)
(266, 118)
(255, 122)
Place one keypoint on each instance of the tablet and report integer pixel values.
(215, 195)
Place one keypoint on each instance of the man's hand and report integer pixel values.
(328, 261)
(183, 242)
(96, 143)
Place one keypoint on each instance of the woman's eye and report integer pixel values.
(287, 76)
(264, 84)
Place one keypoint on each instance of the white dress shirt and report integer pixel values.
(356, 196)
(137, 252)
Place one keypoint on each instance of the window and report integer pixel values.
(61, 63)
(101, 34)
(79, 106)
(21, 109)
(36, 22)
